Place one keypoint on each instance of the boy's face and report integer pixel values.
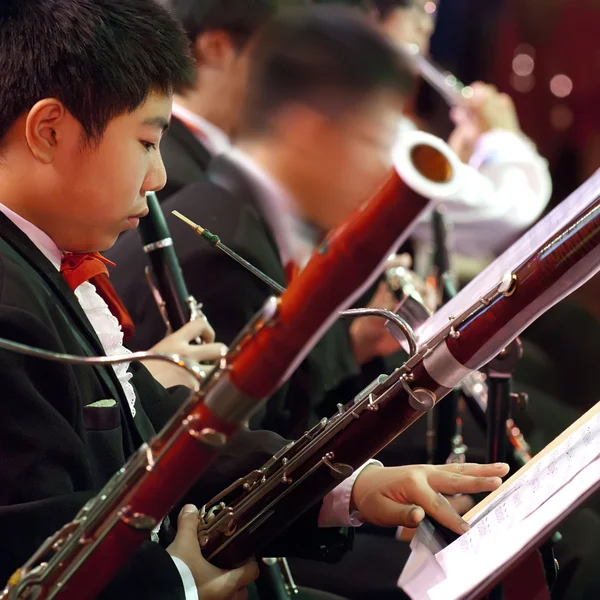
(97, 192)
(347, 158)
(412, 25)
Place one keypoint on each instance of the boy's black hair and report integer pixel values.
(101, 58)
(326, 57)
(239, 18)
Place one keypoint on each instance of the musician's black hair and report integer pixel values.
(383, 7)
(101, 58)
(239, 18)
(326, 57)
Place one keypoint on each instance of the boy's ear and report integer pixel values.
(43, 128)
(214, 49)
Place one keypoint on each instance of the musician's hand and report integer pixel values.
(403, 260)
(392, 496)
(212, 583)
(427, 291)
(462, 504)
(369, 336)
(487, 109)
(182, 342)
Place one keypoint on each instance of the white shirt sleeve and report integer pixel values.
(189, 585)
(502, 191)
(335, 509)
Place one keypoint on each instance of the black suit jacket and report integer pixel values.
(57, 449)
(226, 203)
(186, 159)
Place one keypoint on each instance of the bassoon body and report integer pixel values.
(547, 267)
(80, 560)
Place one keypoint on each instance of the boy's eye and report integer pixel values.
(149, 146)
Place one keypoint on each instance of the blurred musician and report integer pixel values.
(206, 110)
(506, 184)
(315, 139)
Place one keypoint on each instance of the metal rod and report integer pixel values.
(215, 240)
(498, 412)
(190, 366)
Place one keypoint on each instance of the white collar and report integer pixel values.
(279, 209)
(39, 238)
(216, 140)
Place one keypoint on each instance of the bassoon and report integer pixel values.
(556, 257)
(73, 563)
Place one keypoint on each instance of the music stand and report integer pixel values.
(510, 524)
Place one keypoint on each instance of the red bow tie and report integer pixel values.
(91, 266)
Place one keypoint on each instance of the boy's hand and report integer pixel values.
(182, 342)
(392, 496)
(212, 583)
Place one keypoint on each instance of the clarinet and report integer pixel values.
(451, 89)
(249, 514)
(177, 307)
(73, 563)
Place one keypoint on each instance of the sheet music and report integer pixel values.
(578, 201)
(527, 508)
(530, 491)
(464, 582)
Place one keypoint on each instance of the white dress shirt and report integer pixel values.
(504, 189)
(335, 511)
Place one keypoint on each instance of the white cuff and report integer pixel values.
(189, 585)
(335, 509)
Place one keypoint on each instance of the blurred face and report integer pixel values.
(412, 25)
(237, 85)
(222, 79)
(95, 193)
(349, 157)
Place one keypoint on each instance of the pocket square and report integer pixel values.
(102, 415)
(102, 404)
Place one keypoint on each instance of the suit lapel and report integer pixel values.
(45, 269)
(226, 174)
(83, 329)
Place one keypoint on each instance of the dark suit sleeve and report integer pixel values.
(231, 296)
(247, 451)
(44, 476)
(250, 450)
